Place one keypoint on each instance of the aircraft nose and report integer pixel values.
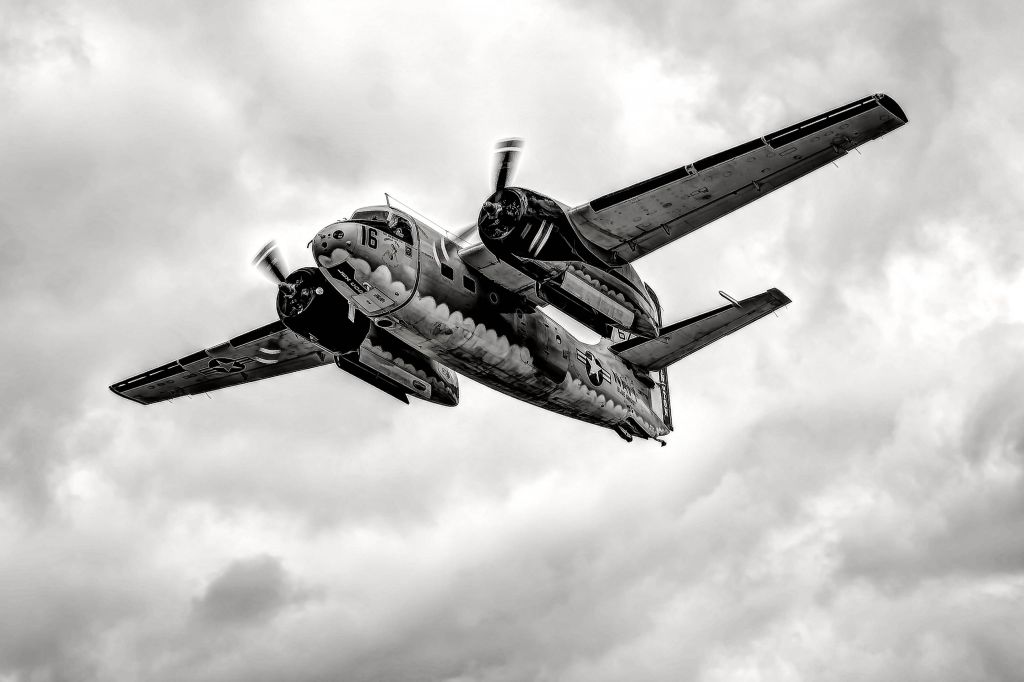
(332, 245)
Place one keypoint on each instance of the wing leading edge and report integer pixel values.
(638, 219)
(689, 336)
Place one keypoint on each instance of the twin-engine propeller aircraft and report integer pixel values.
(404, 306)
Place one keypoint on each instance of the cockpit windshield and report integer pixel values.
(385, 219)
(371, 215)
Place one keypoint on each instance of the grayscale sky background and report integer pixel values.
(842, 499)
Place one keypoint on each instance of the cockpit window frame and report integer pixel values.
(386, 220)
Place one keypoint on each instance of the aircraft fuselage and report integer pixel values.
(407, 277)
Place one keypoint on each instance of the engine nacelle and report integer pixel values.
(309, 306)
(420, 376)
(535, 235)
(524, 224)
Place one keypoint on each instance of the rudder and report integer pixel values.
(660, 398)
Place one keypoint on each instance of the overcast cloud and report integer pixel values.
(842, 498)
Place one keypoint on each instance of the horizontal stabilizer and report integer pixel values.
(683, 338)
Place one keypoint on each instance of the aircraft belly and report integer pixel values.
(478, 352)
(474, 351)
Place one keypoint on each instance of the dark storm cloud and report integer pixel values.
(841, 497)
(247, 591)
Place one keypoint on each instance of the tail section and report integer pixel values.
(650, 358)
(658, 383)
(683, 338)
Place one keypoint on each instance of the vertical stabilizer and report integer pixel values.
(666, 401)
(661, 403)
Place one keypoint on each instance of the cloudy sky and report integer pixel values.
(842, 498)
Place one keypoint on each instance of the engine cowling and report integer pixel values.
(403, 365)
(522, 223)
(309, 306)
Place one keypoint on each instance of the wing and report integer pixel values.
(636, 220)
(689, 336)
(269, 351)
(480, 258)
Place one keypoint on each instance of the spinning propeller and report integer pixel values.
(506, 159)
(271, 263)
(295, 291)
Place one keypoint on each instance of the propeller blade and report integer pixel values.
(507, 153)
(271, 263)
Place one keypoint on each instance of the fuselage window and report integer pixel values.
(469, 283)
(447, 271)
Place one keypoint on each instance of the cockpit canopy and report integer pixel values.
(386, 219)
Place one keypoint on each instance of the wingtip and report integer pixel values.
(778, 298)
(113, 389)
(893, 108)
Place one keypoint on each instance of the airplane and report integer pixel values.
(405, 305)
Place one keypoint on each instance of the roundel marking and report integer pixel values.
(595, 371)
(226, 365)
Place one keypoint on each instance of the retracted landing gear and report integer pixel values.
(623, 433)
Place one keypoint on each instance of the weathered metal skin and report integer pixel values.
(446, 313)
(546, 344)
(424, 377)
